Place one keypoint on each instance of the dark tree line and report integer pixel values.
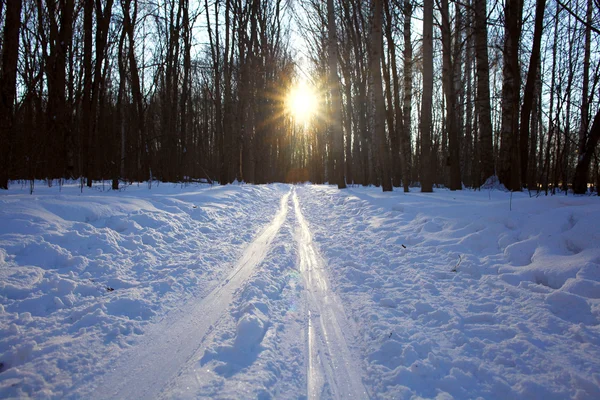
(143, 89)
(484, 90)
(433, 93)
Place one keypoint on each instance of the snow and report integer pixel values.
(82, 276)
(519, 317)
(282, 291)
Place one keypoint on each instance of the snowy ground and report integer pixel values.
(297, 292)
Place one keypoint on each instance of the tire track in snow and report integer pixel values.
(332, 372)
(168, 345)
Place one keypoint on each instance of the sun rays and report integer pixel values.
(302, 102)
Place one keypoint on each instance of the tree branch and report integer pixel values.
(578, 18)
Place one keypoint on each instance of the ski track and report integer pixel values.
(171, 343)
(331, 369)
(172, 347)
(447, 295)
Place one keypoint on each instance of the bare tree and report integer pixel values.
(587, 140)
(529, 92)
(398, 131)
(586, 80)
(377, 90)
(510, 170)
(334, 92)
(215, 48)
(483, 107)
(449, 72)
(93, 82)
(141, 136)
(8, 79)
(426, 103)
(60, 17)
(408, 89)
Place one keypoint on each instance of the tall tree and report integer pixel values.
(59, 110)
(86, 96)
(399, 156)
(227, 96)
(407, 89)
(587, 140)
(529, 92)
(426, 102)
(334, 92)
(142, 152)
(185, 115)
(8, 82)
(450, 60)
(92, 86)
(376, 43)
(510, 171)
(545, 179)
(483, 107)
(469, 145)
(347, 68)
(586, 81)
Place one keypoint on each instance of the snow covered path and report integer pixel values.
(143, 372)
(260, 292)
(275, 321)
(332, 371)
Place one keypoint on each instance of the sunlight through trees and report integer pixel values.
(393, 93)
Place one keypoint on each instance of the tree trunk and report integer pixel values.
(408, 88)
(586, 78)
(448, 77)
(143, 150)
(216, 64)
(426, 102)
(482, 102)
(546, 168)
(227, 96)
(510, 171)
(336, 105)
(86, 100)
(102, 27)
(468, 148)
(185, 89)
(8, 83)
(580, 180)
(58, 112)
(535, 125)
(121, 56)
(398, 148)
(396, 173)
(348, 122)
(377, 90)
(530, 88)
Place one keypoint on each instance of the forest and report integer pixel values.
(396, 93)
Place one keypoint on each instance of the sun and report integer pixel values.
(302, 102)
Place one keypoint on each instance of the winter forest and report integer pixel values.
(393, 93)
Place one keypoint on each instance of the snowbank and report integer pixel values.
(81, 275)
(458, 296)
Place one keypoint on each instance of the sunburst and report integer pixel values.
(302, 102)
